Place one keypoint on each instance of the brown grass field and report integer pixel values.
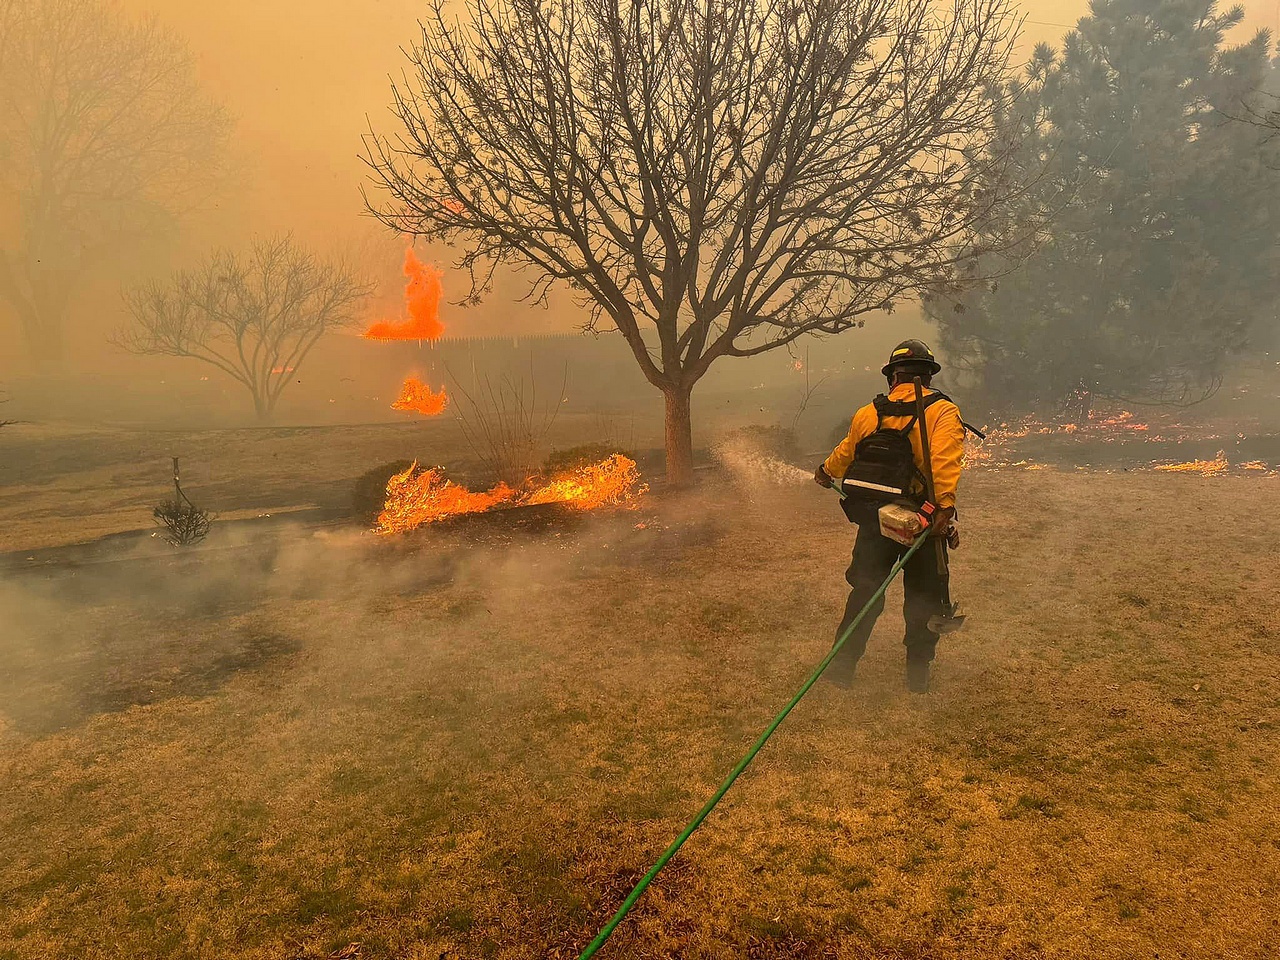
(470, 741)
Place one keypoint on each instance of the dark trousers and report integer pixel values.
(873, 557)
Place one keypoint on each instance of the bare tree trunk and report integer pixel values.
(679, 433)
(41, 318)
(263, 408)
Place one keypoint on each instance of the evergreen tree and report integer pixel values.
(1156, 262)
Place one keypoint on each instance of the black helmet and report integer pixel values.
(911, 351)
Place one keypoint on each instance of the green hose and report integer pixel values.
(670, 852)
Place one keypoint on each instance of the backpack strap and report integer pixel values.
(907, 408)
(904, 408)
(881, 403)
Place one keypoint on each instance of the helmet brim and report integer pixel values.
(934, 366)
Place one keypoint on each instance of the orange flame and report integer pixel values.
(1208, 468)
(422, 304)
(612, 482)
(419, 398)
(416, 497)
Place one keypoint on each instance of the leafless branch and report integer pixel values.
(726, 174)
(503, 424)
(807, 393)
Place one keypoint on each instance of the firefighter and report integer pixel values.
(875, 430)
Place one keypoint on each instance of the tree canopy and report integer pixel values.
(254, 317)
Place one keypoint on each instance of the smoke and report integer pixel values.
(133, 625)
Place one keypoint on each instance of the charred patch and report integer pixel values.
(121, 670)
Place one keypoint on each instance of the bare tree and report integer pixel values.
(104, 136)
(717, 177)
(254, 318)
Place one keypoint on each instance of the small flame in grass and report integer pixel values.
(995, 450)
(422, 305)
(613, 482)
(416, 396)
(1209, 468)
(415, 497)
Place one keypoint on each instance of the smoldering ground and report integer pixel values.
(138, 622)
(470, 742)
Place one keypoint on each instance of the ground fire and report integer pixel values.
(614, 481)
(1010, 444)
(416, 496)
(422, 305)
(1209, 468)
(417, 397)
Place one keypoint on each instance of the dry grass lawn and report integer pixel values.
(470, 742)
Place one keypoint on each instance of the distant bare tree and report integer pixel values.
(254, 318)
(718, 177)
(104, 136)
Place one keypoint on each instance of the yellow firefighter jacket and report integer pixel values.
(946, 441)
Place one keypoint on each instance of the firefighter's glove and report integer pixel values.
(821, 479)
(942, 522)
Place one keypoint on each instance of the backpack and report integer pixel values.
(884, 465)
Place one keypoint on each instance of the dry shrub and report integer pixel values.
(505, 425)
(183, 521)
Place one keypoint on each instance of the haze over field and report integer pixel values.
(302, 81)
(342, 621)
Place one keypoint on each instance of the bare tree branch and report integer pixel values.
(716, 177)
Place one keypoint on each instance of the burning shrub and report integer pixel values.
(581, 456)
(416, 496)
(370, 493)
(614, 481)
(417, 397)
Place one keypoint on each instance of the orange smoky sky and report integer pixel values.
(306, 78)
